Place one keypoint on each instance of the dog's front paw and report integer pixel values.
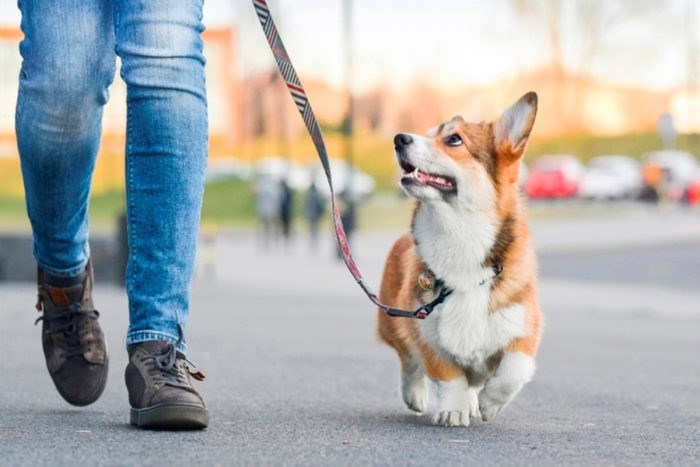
(452, 418)
(473, 400)
(489, 408)
(514, 371)
(456, 403)
(414, 391)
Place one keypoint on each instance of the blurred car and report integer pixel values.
(675, 169)
(226, 168)
(692, 191)
(554, 176)
(299, 177)
(349, 182)
(611, 177)
(278, 168)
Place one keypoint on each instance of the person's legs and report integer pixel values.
(68, 64)
(162, 64)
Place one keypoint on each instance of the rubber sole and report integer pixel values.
(171, 417)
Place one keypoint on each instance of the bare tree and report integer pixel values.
(579, 31)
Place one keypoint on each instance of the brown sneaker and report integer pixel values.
(74, 345)
(161, 395)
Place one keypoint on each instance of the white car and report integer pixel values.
(226, 168)
(277, 168)
(611, 177)
(362, 183)
(299, 177)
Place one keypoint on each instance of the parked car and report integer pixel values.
(362, 183)
(228, 168)
(554, 176)
(611, 177)
(675, 169)
(692, 191)
(299, 177)
(278, 168)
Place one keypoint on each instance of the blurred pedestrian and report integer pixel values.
(652, 176)
(69, 52)
(313, 209)
(286, 206)
(267, 204)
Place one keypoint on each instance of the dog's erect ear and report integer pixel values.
(512, 129)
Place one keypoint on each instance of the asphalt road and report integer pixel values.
(296, 377)
(676, 267)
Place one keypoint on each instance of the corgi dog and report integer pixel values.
(469, 233)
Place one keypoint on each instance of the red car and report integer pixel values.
(692, 192)
(554, 177)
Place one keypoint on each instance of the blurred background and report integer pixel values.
(618, 127)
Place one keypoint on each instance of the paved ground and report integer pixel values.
(295, 376)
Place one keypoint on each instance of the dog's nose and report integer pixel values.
(401, 140)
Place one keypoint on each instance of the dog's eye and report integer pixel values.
(453, 140)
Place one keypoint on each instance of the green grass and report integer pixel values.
(227, 203)
(106, 208)
(13, 215)
(231, 202)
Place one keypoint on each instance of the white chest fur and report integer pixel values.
(455, 247)
(464, 330)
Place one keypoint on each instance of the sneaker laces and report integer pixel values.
(67, 321)
(168, 367)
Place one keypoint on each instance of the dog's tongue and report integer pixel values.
(422, 176)
(432, 179)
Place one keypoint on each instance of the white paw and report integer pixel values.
(473, 400)
(452, 418)
(456, 403)
(513, 372)
(488, 408)
(414, 391)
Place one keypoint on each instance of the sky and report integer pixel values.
(463, 42)
(466, 42)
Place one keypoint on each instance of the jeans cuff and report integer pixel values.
(143, 336)
(62, 272)
(70, 272)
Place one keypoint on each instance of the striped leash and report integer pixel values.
(307, 114)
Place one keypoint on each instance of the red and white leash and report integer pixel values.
(307, 114)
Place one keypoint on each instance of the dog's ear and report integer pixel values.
(512, 129)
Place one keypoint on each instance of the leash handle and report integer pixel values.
(284, 64)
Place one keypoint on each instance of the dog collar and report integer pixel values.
(428, 281)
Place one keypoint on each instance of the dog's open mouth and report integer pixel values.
(412, 175)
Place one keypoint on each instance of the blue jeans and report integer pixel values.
(69, 52)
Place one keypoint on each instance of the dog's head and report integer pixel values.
(463, 163)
